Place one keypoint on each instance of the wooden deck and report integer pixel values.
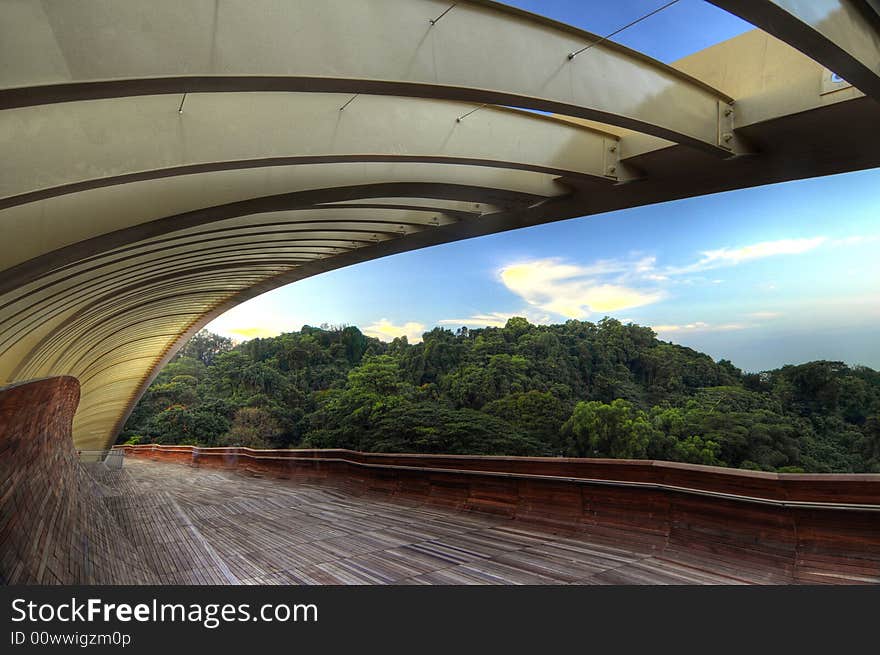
(204, 526)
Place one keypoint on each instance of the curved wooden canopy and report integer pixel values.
(166, 161)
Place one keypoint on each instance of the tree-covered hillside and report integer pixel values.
(577, 389)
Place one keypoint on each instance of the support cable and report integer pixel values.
(348, 102)
(572, 55)
(434, 21)
(463, 116)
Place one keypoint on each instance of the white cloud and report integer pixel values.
(700, 326)
(732, 256)
(766, 314)
(645, 265)
(492, 319)
(496, 319)
(384, 330)
(575, 291)
(855, 240)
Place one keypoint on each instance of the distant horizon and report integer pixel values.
(326, 325)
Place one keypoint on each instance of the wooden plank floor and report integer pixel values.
(196, 526)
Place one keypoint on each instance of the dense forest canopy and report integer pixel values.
(577, 389)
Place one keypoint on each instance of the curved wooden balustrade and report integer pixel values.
(809, 528)
(54, 527)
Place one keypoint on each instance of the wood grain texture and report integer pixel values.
(54, 529)
(239, 527)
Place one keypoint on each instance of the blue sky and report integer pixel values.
(780, 274)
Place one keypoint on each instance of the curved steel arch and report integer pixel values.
(481, 52)
(107, 210)
(144, 138)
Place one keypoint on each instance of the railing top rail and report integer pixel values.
(797, 491)
(646, 464)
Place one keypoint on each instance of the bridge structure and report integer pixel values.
(164, 162)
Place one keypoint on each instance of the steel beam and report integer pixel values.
(37, 228)
(128, 139)
(842, 35)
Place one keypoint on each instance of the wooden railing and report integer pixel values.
(811, 527)
(857, 491)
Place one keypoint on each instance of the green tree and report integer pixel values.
(475, 385)
(580, 388)
(179, 424)
(205, 346)
(252, 427)
(433, 428)
(615, 429)
(696, 450)
(537, 414)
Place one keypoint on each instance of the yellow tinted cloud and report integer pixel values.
(251, 320)
(571, 291)
(256, 332)
(384, 330)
